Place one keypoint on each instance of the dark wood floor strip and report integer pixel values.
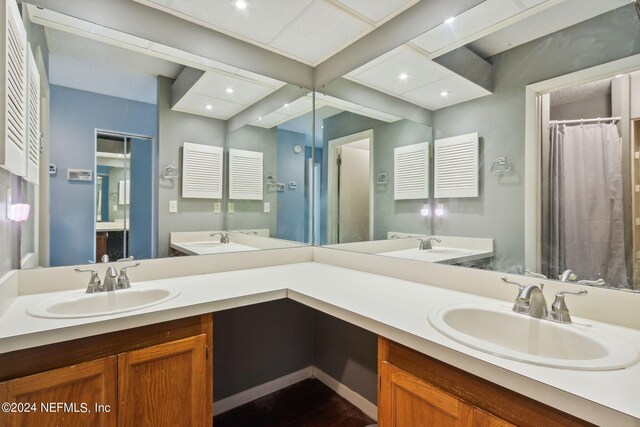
(308, 403)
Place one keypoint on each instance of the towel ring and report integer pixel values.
(501, 166)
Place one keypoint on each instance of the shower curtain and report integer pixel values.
(586, 229)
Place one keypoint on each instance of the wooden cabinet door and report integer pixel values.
(406, 400)
(164, 385)
(81, 387)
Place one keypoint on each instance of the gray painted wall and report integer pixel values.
(262, 342)
(259, 343)
(389, 214)
(174, 129)
(75, 116)
(500, 121)
(347, 353)
(595, 106)
(290, 223)
(250, 213)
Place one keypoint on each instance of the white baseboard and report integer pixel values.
(352, 397)
(261, 390)
(257, 392)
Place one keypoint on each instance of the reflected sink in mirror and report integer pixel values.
(80, 305)
(206, 248)
(448, 251)
(497, 330)
(441, 255)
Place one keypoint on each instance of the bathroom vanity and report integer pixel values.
(422, 372)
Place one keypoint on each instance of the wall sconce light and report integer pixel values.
(19, 212)
(439, 211)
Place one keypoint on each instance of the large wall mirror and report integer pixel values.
(527, 160)
(140, 156)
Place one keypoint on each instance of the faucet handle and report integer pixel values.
(511, 282)
(94, 282)
(123, 279)
(559, 309)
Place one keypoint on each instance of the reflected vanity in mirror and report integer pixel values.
(528, 157)
(123, 182)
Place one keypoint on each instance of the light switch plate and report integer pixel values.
(267, 207)
(173, 206)
(231, 207)
(217, 207)
(115, 208)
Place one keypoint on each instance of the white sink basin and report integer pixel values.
(79, 305)
(499, 331)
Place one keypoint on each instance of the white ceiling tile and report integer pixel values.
(378, 10)
(460, 90)
(214, 84)
(419, 69)
(376, 61)
(80, 63)
(260, 21)
(478, 18)
(196, 104)
(320, 31)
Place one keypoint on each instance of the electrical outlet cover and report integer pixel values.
(231, 208)
(217, 207)
(267, 207)
(173, 206)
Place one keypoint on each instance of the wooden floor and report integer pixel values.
(308, 403)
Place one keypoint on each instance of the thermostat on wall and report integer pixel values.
(79, 174)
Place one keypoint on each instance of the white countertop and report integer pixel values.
(210, 247)
(390, 307)
(111, 226)
(464, 255)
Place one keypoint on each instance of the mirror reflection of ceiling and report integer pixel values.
(89, 57)
(309, 31)
(326, 106)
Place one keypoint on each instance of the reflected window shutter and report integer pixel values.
(13, 157)
(245, 175)
(411, 172)
(202, 171)
(456, 166)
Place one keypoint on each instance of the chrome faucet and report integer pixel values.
(95, 285)
(112, 281)
(568, 276)
(224, 237)
(425, 244)
(559, 310)
(123, 280)
(531, 302)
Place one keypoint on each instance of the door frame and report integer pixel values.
(332, 182)
(154, 188)
(533, 133)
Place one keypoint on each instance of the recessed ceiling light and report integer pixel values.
(229, 90)
(403, 76)
(444, 93)
(241, 4)
(260, 118)
(286, 105)
(209, 106)
(450, 20)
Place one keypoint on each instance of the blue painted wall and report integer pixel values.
(75, 116)
(141, 199)
(291, 224)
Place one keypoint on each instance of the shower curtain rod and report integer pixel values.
(599, 119)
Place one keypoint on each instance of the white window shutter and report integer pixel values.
(33, 120)
(245, 175)
(14, 91)
(202, 171)
(456, 166)
(411, 172)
